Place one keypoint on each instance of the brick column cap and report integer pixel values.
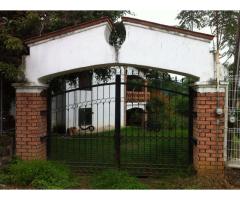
(210, 87)
(29, 87)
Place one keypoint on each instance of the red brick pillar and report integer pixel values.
(31, 121)
(209, 129)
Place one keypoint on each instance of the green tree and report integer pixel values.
(223, 24)
(157, 114)
(15, 26)
(19, 25)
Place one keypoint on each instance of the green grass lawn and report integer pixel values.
(140, 149)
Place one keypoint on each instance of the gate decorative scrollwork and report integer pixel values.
(138, 120)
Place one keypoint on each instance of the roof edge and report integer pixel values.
(168, 28)
(68, 29)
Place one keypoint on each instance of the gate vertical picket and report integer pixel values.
(190, 124)
(158, 145)
(117, 119)
(49, 120)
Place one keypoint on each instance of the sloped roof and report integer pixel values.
(167, 28)
(164, 47)
(87, 24)
(69, 29)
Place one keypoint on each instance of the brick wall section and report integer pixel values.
(31, 125)
(208, 153)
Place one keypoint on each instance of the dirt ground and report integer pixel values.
(190, 183)
(231, 181)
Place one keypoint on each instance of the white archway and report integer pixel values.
(147, 44)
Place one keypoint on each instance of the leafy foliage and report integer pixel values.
(113, 179)
(135, 83)
(38, 174)
(118, 35)
(58, 84)
(135, 117)
(157, 109)
(167, 111)
(19, 25)
(104, 74)
(16, 26)
(9, 71)
(223, 24)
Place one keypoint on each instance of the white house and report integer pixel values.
(92, 101)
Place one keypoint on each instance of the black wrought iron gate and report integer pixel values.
(136, 120)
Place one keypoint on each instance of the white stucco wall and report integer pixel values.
(102, 101)
(165, 50)
(79, 49)
(143, 46)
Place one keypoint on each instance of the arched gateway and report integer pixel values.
(148, 122)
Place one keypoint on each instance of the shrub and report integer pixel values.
(158, 113)
(4, 178)
(113, 179)
(40, 174)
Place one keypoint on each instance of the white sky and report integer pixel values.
(167, 17)
(159, 11)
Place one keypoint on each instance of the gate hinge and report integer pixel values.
(193, 140)
(43, 138)
(43, 113)
(194, 114)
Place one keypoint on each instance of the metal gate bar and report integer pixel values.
(144, 127)
(118, 119)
